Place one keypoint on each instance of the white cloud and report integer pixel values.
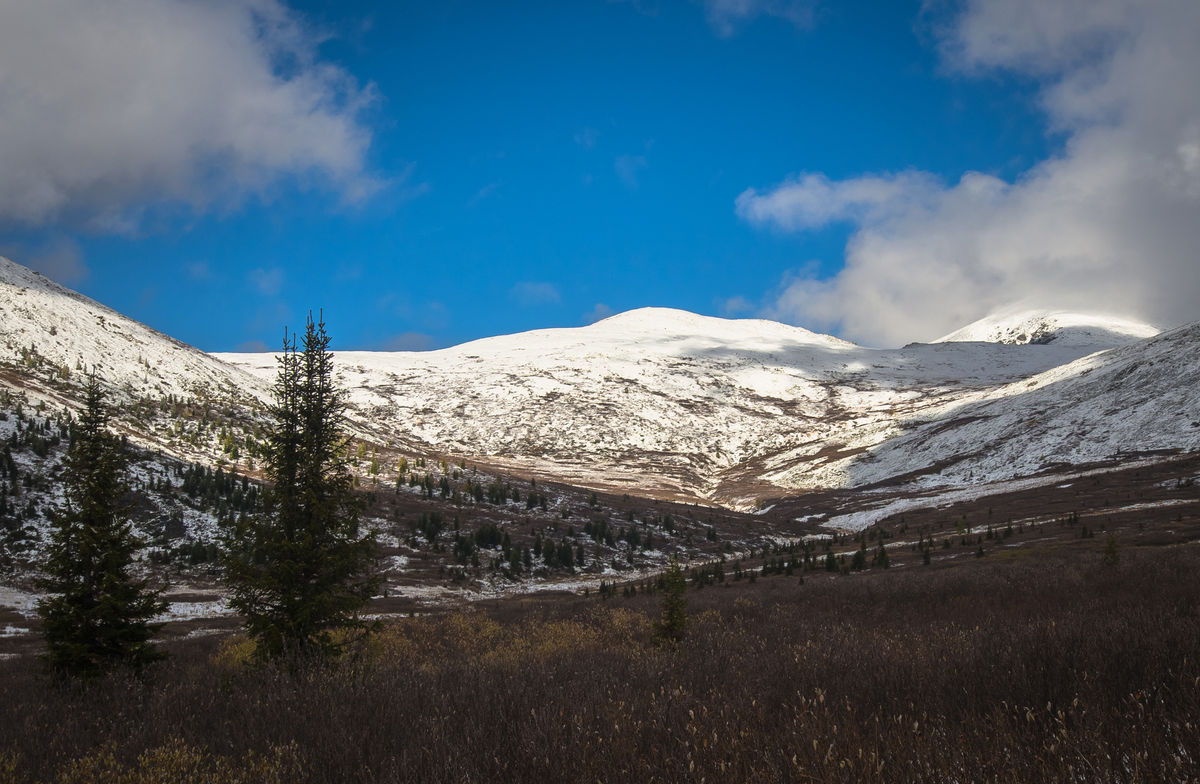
(812, 200)
(726, 16)
(530, 293)
(109, 107)
(1111, 224)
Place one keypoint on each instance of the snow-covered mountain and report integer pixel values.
(662, 401)
(50, 328)
(1061, 327)
(1138, 398)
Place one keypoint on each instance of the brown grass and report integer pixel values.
(1044, 669)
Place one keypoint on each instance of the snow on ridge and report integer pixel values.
(1059, 327)
(1131, 399)
(663, 400)
(75, 334)
(672, 401)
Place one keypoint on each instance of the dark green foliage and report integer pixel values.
(488, 535)
(299, 572)
(97, 615)
(672, 620)
(859, 562)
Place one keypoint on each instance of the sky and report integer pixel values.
(431, 173)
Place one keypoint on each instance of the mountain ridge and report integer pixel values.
(656, 400)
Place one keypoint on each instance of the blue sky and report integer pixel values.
(504, 167)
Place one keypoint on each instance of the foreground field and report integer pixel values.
(1056, 666)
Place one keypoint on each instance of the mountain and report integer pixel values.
(51, 331)
(1059, 327)
(658, 401)
(683, 406)
(1139, 398)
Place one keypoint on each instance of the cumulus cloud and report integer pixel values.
(1110, 224)
(726, 16)
(108, 107)
(531, 293)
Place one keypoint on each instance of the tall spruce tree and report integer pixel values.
(301, 571)
(97, 614)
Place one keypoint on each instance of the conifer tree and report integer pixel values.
(673, 604)
(97, 615)
(300, 571)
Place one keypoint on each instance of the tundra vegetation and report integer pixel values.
(1059, 665)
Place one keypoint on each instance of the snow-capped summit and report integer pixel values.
(1064, 328)
(671, 322)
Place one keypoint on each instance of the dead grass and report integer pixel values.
(1054, 668)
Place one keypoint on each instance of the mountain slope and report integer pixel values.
(668, 402)
(49, 326)
(656, 400)
(1142, 397)
(1058, 327)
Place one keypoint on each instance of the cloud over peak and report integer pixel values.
(1109, 224)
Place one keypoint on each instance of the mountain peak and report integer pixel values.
(661, 322)
(1063, 328)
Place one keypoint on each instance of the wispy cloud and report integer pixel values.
(532, 293)
(199, 270)
(726, 16)
(628, 167)
(483, 193)
(407, 341)
(586, 137)
(599, 312)
(267, 281)
(735, 306)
